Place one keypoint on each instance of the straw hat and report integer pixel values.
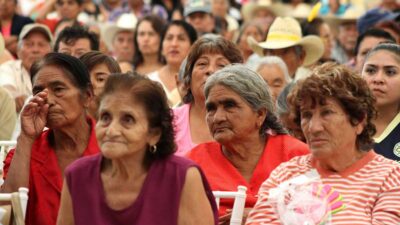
(249, 8)
(1, 44)
(285, 32)
(352, 14)
(126, 22)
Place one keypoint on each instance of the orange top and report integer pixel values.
(223, 176)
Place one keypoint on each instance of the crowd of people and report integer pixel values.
(134, 112)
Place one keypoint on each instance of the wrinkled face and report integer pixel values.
(347, 35)
(205, 65)
(327, 37)
(382, 73)
(367, 44)
(148, 39)
(75, 49)
(176, 45)
(98, 77)
(249, 31)
(66, 102)
(226, 113)
(327, 129)
(34, 47)
(68, 9)
(289, 56)
(123, 46)
(7, 8)
(202, 22)
(123, 128)
(275, 79)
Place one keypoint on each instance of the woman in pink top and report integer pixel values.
(207, 55)
(342, 181)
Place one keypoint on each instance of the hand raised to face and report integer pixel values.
(33, 115)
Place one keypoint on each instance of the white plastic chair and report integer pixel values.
(238, 205)
(19, 202)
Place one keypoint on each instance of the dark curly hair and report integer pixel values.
(152, 96)
(331, 80)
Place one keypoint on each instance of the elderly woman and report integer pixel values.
(334, 109)
(275, 72)
(207, 55)
(250, 142)
(62, 93)
(382, 73)
(136, 179)
(176, 42)
(100, 66)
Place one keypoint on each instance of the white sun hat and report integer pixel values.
(248, 10)
(286, 32)
(126, 22)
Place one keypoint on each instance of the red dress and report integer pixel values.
(223, 176)
(45, 178)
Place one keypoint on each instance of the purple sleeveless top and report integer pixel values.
(156, 204)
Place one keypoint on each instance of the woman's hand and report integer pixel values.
(33, 116)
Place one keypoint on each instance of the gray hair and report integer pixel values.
(252, 88)
(273, 60)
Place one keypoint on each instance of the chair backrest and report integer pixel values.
(238, 205)
(19, 202)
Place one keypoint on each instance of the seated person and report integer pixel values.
(249, 140)
(11, 24)
(62, 93)
(136, 179)
(100, 67)
(76, 41)
(334, 107)
(382, 73)
(206, 56)
(34, 43)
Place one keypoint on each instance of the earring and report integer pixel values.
(153, 149)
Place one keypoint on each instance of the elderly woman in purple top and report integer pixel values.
(136, 179)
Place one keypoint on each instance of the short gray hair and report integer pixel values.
(252, 88)
(273, 60)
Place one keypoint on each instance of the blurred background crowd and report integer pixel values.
(50, 50)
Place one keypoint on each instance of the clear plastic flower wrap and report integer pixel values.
(305, 200)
